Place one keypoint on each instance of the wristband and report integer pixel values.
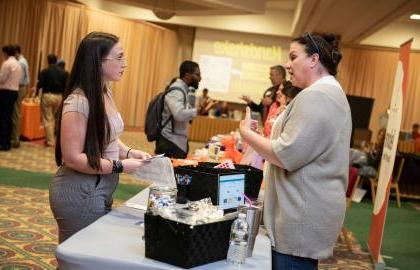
(117, 166)
(128, 152)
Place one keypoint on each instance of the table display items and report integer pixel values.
(253, 211)
(207, 181)
(228, 164)
(160, 197)
(253, 176)
(182, 181)
(196, 234)
(224, 187)
(238, 244)
(214, 150)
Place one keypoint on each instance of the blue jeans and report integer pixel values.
(280, 261)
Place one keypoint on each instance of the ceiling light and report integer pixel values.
(415, 17)
(164, 10)
(163, 14)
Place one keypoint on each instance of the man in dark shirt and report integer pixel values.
(52, 81)
(62, 64)
(277, 76)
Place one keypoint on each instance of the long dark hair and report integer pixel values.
(86, 75)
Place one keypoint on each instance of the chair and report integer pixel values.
(354, 179)
(395, 178)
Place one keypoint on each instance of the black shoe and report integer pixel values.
(4, 148)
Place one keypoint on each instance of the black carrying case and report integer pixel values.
(184, 245)
(253, 177)
(204, 181)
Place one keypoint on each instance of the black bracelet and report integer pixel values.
(117, 166)
(128, 152)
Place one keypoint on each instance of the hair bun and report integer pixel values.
(336, 56)
(332, 39)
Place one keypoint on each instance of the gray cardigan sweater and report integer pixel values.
(304, 203)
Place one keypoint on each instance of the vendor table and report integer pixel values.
(31, 127)
(115, 242)
(203, 128)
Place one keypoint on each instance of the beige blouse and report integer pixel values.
(77, 102)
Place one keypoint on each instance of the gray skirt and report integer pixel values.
(78, 199)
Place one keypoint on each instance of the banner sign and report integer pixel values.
(388, 153)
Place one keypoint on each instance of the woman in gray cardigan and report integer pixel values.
(307, 155)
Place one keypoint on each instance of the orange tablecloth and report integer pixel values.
(203, 128)
(31, 127)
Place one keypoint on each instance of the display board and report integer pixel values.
(233, 64)
(388, 156)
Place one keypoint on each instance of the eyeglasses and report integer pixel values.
(308, 35)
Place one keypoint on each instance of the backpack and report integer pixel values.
(153, 122)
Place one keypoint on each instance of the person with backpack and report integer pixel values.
(178, 110)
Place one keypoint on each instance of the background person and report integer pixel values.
(277, 76)
(173, 141)
(204, 103)
(62, 64)
(52, 81)
(88, 150)
(23, 88)
(284, 95)
(10, 75)
(308, 158)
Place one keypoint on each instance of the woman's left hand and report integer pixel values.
(134, 153)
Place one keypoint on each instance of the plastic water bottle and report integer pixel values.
(238, 244)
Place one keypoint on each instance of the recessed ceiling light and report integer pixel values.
(415, 17)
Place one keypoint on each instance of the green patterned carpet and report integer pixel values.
(27, 229)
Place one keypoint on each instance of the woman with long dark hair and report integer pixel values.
(88, 152)
(308, 158)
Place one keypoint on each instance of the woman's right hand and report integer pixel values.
(245, 124)
(131, 164)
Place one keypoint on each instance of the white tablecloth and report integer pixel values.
(115, 242)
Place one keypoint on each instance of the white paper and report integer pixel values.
(157, 170)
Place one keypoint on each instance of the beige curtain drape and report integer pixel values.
(20, 24)
(44, 26)
(64, 25)
(370, 73)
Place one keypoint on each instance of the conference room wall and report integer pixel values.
(370, 72)
(57, 27)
